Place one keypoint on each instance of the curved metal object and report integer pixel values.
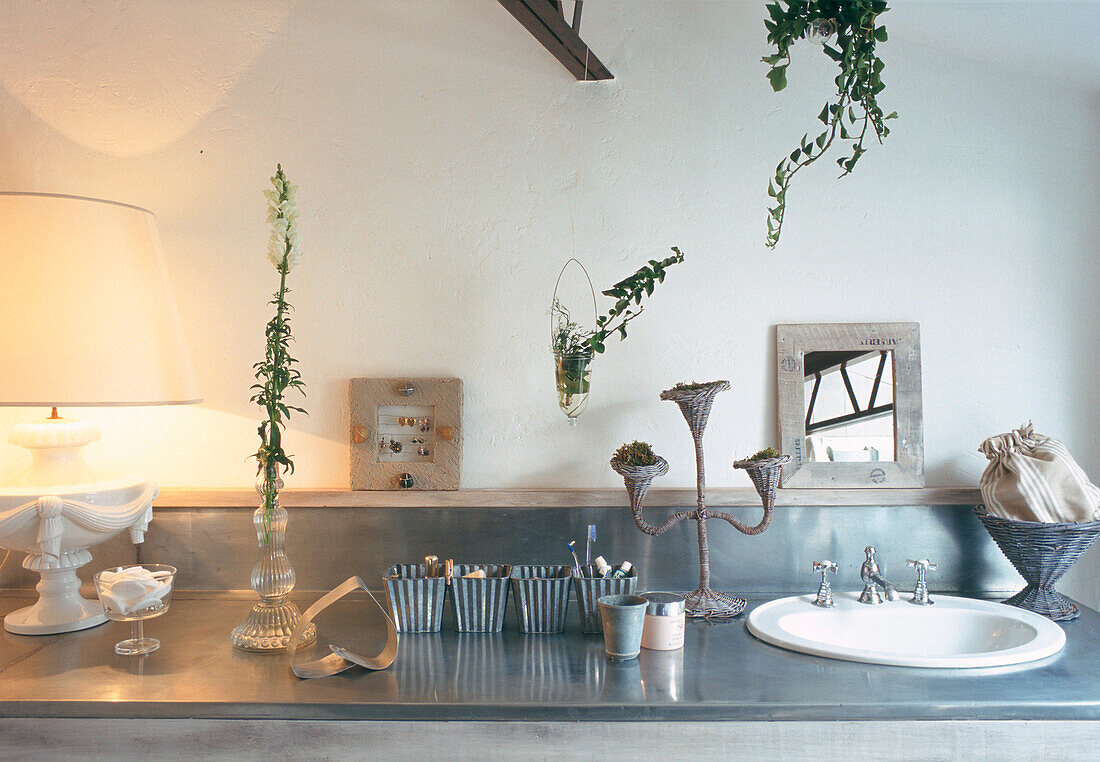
(341, 659)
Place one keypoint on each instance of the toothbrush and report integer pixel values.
(576, 561)
(588, 543)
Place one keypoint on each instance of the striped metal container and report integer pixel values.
(542, 597)
(590, 586)
(416, 601)
(479, 603)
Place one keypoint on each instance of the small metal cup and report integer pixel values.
(623, 617)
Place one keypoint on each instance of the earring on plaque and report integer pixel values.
(423, 451)
(425, 425)
(382, 445)
(395, 446)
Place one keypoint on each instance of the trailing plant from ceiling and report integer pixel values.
(849, 31)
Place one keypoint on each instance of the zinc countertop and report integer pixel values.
(722, 673)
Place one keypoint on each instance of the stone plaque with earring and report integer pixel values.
(406, 433)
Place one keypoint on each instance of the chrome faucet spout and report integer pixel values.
(888, 588)
(872, 578)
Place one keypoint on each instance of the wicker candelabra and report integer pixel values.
(695, 403)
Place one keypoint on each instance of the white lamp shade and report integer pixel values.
(87, 315)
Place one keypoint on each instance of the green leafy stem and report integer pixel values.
(277, 373)
(854, 111)
(629, 293)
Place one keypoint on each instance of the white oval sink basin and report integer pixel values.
(953, 632)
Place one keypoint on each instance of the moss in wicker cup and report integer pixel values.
(695, 401)
(764, 468)
(636, 454)
(639, 466)
(766, 454)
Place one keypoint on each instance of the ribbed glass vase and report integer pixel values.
(272, 621)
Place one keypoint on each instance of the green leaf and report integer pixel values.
(833, 53)
(880, 34)
(772, 60)
(795, 154)
(778, 77)
(824, 115)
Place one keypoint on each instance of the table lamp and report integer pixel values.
(87, 319)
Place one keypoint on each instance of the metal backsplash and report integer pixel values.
(215, 549)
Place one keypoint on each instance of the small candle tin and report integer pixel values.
(664, 622)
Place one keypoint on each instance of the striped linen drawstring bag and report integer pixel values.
(1031, 477)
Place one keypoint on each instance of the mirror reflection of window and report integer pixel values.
(849, 406)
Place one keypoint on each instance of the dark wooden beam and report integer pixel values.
(844, 420)
(546, 23)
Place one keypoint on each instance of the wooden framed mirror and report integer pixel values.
(850, 410)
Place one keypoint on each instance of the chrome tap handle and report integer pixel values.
(825, 590)
(920, 592)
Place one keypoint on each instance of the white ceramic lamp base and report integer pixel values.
(57, 509)
(60, 607)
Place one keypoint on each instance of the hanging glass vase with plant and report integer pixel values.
(574, 346)
(572, 352)
(271, 622)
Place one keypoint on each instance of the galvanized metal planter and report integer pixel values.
(479, 603)
(590, 586)
(542, 597)
(416, 601)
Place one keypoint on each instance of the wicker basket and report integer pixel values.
(542, 597)
(1042, 553)
(416, 601)
(695, 403)
(590, 586)
(479, 603)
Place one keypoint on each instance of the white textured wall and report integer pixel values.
(440, 152)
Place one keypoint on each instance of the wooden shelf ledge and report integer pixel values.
(565, 498)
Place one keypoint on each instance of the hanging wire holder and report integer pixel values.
(572, 352)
